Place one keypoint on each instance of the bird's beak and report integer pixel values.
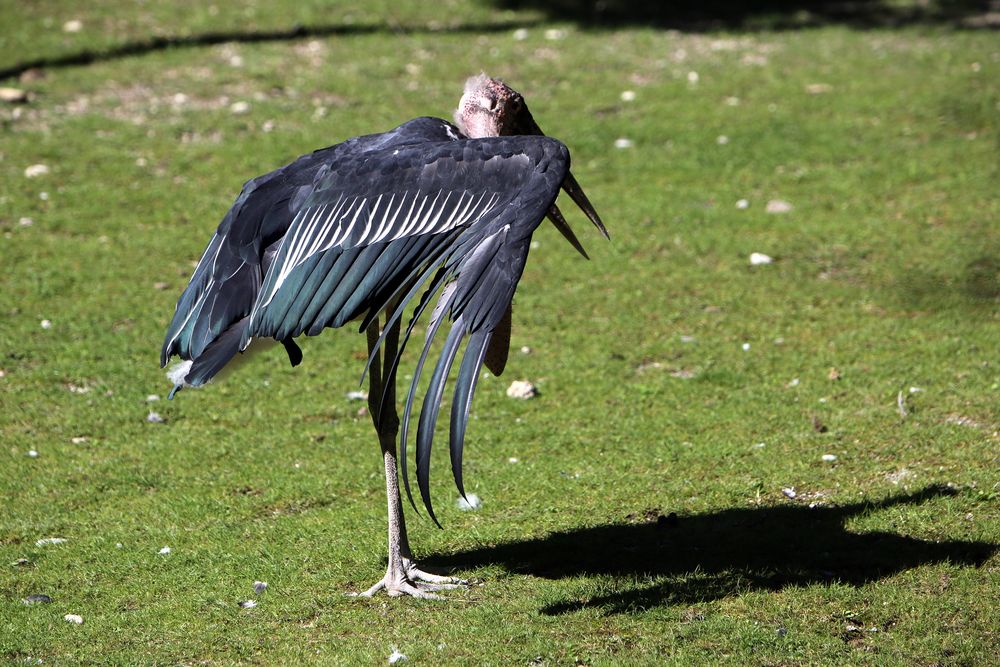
(572, 188)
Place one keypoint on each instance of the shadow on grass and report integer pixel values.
(696, 15)
(670, 560)
(163, 42)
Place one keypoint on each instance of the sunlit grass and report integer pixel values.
(675, 377)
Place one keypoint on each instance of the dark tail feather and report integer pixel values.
(408, 408)
(465, 387)
(429, 412)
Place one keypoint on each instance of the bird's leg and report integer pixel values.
(402, 576)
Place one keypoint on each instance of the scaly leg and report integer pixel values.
(402, 576)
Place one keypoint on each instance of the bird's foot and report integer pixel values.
(408, 579)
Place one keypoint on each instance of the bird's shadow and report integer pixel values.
(668, 560)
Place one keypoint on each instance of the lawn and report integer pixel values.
(787, 462)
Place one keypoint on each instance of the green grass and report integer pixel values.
(887, 269)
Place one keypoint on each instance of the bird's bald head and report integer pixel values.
(491, 108)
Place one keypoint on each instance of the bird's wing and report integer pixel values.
(381, 226)
(212, 313)
(378, 222)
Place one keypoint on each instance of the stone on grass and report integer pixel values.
(623, 143)
(829, 458)
(778, 206)
(396, 656)
(36, 170)
(248, 604)
(12, 95)
(164, 550)
(74, 25)
(259, 587)
(522, 389)
(758, 258)
(73, 618)
(790, 492)
(154, 418)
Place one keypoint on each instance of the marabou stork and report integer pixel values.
(359, 229)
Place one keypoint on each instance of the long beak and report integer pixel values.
(572, 188)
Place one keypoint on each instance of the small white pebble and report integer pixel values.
(628, 96)
(119, 545)
(794, 382)
(36, 170)
(154, 418)
(44, 196)
(915, 390)
(778, 206)
(622, 143)
(259, 586)
(535, 245)
(758, 258)
(240, 107)
(470, 502)
(248, 604)
(32, 453)
(742, 204)
(396, 656)
(687, 339)
(693, 77)
(267, 126)
(722, 140)
(46, 324)
(236, 61)
(554, 34)
(521, 34)
(152, 398)
(26, 222)
(357, 395)
(829, 458)
(746, 347)
(525, 349)
(789, 492)
(760, 445)
(164, 550)
(512, 459)
(45, 541)
(78, 440)
(522, 389)
(73, 26)
(73, 618)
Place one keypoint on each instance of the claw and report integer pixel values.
(408, 579)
